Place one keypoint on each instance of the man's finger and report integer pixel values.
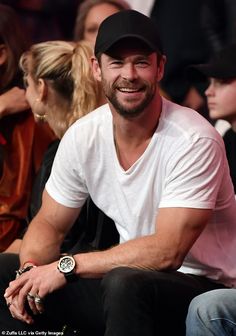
(15, 312)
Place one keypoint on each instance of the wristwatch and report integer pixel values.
(66, 265)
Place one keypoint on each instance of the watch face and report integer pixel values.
(66, 264)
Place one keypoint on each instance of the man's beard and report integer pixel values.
(135, 110)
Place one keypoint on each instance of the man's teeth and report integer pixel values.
(128, 90)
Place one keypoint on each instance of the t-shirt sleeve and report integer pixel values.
(66, 184)
(194, 175)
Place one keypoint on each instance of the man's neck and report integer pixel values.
(138, 129)
(132, 136)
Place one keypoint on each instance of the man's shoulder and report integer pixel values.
(90, 127)
(179, 114)
(97, 116)
(188, 122)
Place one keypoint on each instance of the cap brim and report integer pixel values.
(201, 71)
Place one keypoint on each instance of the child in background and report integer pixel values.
(221, 96)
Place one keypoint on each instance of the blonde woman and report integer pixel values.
(60, 89)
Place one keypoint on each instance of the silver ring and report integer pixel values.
(30, 297)
(38, 300)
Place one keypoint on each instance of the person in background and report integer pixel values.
(159, 170)
(221, 96)
(90, 15)
(214, 313)
(183, 38)
(218, 19)
(60, 87)
(22, 141)
(72, 94)
(46, 20)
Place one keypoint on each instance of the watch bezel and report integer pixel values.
(72, 267)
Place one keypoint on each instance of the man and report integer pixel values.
(160, 172)
(214, 313)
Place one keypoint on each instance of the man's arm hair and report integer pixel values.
(46, 232)
(176, 231)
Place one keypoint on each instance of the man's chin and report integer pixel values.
(129, 108)
(130, 113)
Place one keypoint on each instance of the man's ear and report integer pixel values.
(96, 69)
(43, 89)
(3, 54)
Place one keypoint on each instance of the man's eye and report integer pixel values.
(142, 63)
(116, 64)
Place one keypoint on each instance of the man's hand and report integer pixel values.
(13, 306)
(33, 286)
(13, 101)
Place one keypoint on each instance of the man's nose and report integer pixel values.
(129, 72)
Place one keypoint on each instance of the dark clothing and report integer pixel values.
(41, 179)
(47, 20)
(126, 302)
(184, 43)
(22, 145)
(230, 147)
(219, 23)
(21, 156)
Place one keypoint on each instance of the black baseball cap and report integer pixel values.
(127, 24)
(222, 65)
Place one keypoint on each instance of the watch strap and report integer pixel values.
(70, 277)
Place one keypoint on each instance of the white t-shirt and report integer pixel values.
(184, 165)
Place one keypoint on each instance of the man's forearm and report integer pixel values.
(41, 243)
(177, 230)
(142, 253)
(46, 232)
